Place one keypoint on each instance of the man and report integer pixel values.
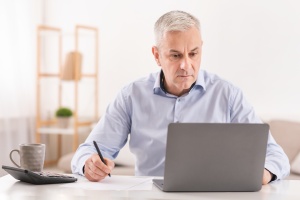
(180, 92)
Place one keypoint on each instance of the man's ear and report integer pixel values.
(156, 55)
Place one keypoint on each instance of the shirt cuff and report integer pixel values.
(78, 166)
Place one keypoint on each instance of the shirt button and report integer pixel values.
(178, 100)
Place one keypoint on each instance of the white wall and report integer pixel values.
(254, 44)
(18, 19)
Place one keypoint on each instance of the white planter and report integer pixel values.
(63, 122)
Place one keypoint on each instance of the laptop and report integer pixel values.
(214, 157)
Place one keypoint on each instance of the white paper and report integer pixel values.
(114, 183)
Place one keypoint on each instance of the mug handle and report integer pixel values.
(12, 160)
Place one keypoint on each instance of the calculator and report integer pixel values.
(38, 178)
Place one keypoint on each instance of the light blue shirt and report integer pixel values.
(143, 110)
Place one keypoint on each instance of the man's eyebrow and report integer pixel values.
(195, 49)
(176, 51)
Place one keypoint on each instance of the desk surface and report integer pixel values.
(13, 189)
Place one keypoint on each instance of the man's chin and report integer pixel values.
(186, 86)
(187, 82)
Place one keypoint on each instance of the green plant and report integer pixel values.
(63, 112)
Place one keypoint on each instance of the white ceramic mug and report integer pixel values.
(32, 156)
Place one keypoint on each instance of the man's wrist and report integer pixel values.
(273, 176)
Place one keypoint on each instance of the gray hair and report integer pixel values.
(174, 21)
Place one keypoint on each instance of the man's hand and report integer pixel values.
(267, 176)
(95, 169)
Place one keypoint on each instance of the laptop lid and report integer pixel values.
(214, 157)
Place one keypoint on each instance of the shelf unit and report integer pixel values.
(49, 126)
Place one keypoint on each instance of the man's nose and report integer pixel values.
(185, 63)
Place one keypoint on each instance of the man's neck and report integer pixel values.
(164, 88)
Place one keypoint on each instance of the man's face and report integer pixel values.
(179, 56)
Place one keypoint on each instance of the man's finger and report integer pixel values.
(92, 172)
(109, 163)
(100, 165)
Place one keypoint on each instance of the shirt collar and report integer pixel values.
(200, 80)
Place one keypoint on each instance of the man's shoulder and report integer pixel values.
(213, 80)
(142, 82)
(150, 78)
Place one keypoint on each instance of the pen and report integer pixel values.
(100, 155)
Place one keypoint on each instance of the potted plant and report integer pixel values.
(63, 115)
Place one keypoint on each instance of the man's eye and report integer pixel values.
(193, 54)
(175, 56)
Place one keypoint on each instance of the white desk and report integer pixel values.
(12, 189)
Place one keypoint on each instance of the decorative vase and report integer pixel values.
(63, 122)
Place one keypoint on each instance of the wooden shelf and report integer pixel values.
(78, 124)
(63, 131)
